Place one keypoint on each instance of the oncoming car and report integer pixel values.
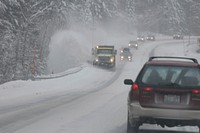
(133, 44)
(177, 36)
(150, 38)
(166, 92)
(125, 54)
(141, 38)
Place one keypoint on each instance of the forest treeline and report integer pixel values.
(26, 27)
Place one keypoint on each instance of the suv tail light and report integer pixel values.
(196, 96)
(134, 93)
(135, 87)
(147, 89)
(196, 91)
(146, 92)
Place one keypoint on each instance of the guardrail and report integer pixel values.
(58, 75)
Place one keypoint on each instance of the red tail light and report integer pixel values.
(134, 94)
(195, 91)
(148, 89)
(135, 87)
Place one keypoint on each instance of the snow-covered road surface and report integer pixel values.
(92, 100)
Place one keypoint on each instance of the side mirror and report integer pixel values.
(128, 82)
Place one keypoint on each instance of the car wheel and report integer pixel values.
(132, 129)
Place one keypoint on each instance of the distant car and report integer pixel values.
(177, 36)
(125, 54)
(133, 44)
(150, 38)
(166, 92)
(141, 38)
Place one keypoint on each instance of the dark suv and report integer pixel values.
(177, 36)
(166, 92)
(141, 38)
(150, 38)
(133, 44)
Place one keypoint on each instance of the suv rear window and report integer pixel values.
(171, 75)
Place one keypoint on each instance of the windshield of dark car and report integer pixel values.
(126, 50)
(133, 42)
(171, 75)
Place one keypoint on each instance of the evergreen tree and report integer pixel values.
(27, 26)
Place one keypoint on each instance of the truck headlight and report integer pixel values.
(112, 60)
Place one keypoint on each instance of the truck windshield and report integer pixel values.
(104, 51)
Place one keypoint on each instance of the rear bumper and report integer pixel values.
(136, 111)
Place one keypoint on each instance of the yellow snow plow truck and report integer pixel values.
(104, 55)
(198, 40)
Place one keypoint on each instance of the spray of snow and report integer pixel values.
(66, 51)
(71, 48)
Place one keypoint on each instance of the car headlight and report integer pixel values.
(136, 45)
(121, 51)
(96, 59)
(129, 44)
(129, 57)
(122, 57)
(138, 38)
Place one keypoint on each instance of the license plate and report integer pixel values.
(171, 99)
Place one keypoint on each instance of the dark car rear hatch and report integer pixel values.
(169, 86)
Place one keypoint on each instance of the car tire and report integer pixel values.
(132, 129)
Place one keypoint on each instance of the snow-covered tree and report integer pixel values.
(27, 26)
(174, 17)
(131, 11)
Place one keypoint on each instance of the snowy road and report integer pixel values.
(90, 101)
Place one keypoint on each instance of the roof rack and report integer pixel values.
(193, 59)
